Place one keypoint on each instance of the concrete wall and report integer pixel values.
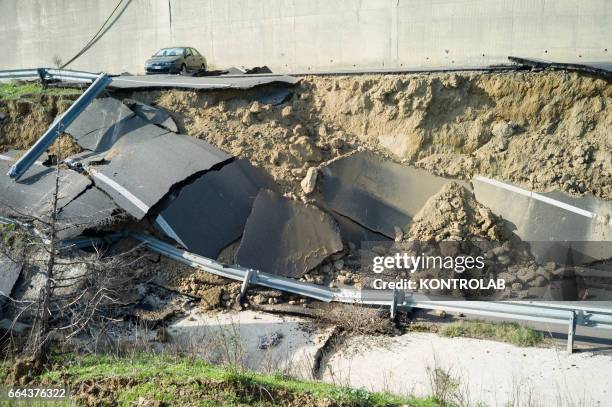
(300, 35)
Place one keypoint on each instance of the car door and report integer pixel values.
(198, 59)
(188, 58)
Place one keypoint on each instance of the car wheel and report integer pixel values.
(183, 69)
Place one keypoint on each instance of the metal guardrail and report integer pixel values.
(58, 126)
(571, 315)
(47, 74)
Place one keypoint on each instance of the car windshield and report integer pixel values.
(169, 52)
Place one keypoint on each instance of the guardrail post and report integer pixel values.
(42, 74)
(394, 305)
(245, 283)
(571, 332)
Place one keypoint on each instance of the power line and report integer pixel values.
(96, 36)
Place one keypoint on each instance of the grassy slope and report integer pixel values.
(12, 91)
(186, 381)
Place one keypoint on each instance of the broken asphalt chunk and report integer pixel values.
(102, 123)
(32, 195)
(554, 224)
(144, 165)
(286, 237)
(206, 82)
(379, 195)
(92, 209)
(210, 213)
(153, 115)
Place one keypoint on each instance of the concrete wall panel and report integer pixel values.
(298, 35)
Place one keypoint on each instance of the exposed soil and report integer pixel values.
(542, 130)
(28, 118)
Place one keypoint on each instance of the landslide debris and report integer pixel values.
(454, 214)
(541, 130)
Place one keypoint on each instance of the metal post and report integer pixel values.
(43, 143)
(245, 283)
(571, 332)
(394, 305)
(42, 74)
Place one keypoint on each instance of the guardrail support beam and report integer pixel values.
(571, 332)
(43, 143)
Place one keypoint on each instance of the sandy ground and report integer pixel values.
(494, 373)
(236, 335)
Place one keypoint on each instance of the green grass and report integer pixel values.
(178, 380)
(513, 333)
(12, 91)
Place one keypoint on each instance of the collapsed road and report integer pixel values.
(291, 177)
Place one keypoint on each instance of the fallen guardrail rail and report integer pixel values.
(571, 314)
(58, 126)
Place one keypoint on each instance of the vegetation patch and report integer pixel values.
(513, 333)
(178, 380)
(18, 90)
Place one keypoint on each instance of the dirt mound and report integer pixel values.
(454, 214)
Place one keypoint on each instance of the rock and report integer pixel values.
(297, 172)
(503, 129)
(300, 131)
(508, 278)
(310, 180)
(517, 286)
(286, 112)
(247, 118)
(255, 107)
(505, 260)
(269, 341)
(539, 281)
(259, 299)
(338, 265)
(399, 234)
(526, 275)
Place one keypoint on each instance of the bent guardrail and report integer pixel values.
(58, 126)
(570, 314)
